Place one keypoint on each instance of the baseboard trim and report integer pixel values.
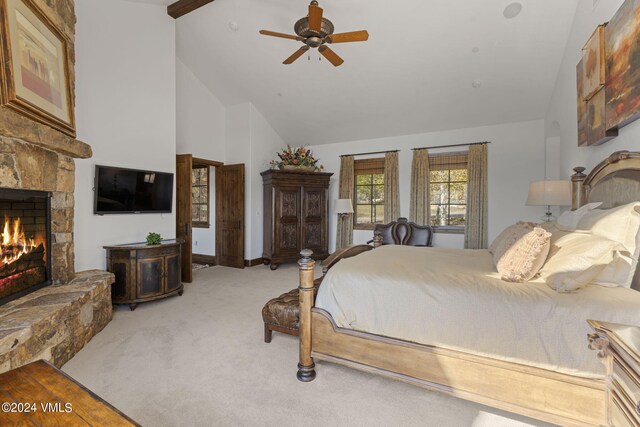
(204, 259)
(253, 262)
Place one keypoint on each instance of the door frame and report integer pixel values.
(188, 249)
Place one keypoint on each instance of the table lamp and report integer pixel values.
(549, 193)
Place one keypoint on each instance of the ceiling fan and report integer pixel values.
(315, 32)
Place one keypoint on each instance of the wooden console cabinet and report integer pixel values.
(144, 272)
(296, 215)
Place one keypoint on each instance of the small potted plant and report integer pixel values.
(154, 239)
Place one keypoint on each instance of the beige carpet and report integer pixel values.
(200, 360)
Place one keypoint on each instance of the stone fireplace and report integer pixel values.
(37, 183)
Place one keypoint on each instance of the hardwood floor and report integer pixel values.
(39, 394)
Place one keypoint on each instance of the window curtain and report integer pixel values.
(419, 210)
(391, 187)
(475, 235)
(344, 236)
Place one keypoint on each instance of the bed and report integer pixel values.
(539, 368)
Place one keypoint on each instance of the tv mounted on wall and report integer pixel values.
(120, 190)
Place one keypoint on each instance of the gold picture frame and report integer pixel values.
(593, 57)
(623, 78)
(35, 66)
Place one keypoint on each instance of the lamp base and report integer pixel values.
(548, 215)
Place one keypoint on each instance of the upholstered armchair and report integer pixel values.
(402, 232)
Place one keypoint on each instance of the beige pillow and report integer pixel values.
(522, 252)
(506, 232)
(620, 224)
(578, 258)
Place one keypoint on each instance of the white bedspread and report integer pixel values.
(454, 298)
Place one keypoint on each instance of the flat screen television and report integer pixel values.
(120, 190)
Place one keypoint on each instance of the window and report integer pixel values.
(369, 193)
(200, 196)
(448, 191)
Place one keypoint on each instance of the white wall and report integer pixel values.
(200, 117)
(562, 114)
(126, 110)
(200, 130)
(265, 143)
(516, 157)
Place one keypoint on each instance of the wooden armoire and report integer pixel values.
(296, 215)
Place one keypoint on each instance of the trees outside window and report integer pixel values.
(448, 180)
(369, 193)
(200, 196)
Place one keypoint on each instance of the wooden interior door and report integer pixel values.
(184, 164)
(230, 215)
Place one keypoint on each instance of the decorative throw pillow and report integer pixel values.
(620, 224)
(571, 218)
(579, 258)
(522, 252)
(504, 234)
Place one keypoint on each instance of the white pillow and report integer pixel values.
(571, 218)
(620, 224)
(579, 258)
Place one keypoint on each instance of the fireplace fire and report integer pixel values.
(24, 242)
(14, 243)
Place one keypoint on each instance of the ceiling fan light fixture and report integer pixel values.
(302, 29)
(315, 31)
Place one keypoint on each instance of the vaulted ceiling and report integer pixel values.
(415, 74)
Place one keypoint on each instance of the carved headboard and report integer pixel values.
(615, 181)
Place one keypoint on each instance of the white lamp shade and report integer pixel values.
(549, 193)
(343, 206)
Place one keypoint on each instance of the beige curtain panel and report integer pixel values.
(475, 235)
(344, 236)
(419, 209)
(391, 187)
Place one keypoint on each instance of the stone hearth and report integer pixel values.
(57, 321)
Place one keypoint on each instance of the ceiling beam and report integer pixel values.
(182, 7)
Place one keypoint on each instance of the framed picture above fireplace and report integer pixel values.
(35, 64)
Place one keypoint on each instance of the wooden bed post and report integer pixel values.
(578, 192)
(306, 371)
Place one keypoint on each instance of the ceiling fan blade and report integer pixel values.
(297, 54)
(330, 55)
(281, 35)
(315, 18)
(353, 36)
